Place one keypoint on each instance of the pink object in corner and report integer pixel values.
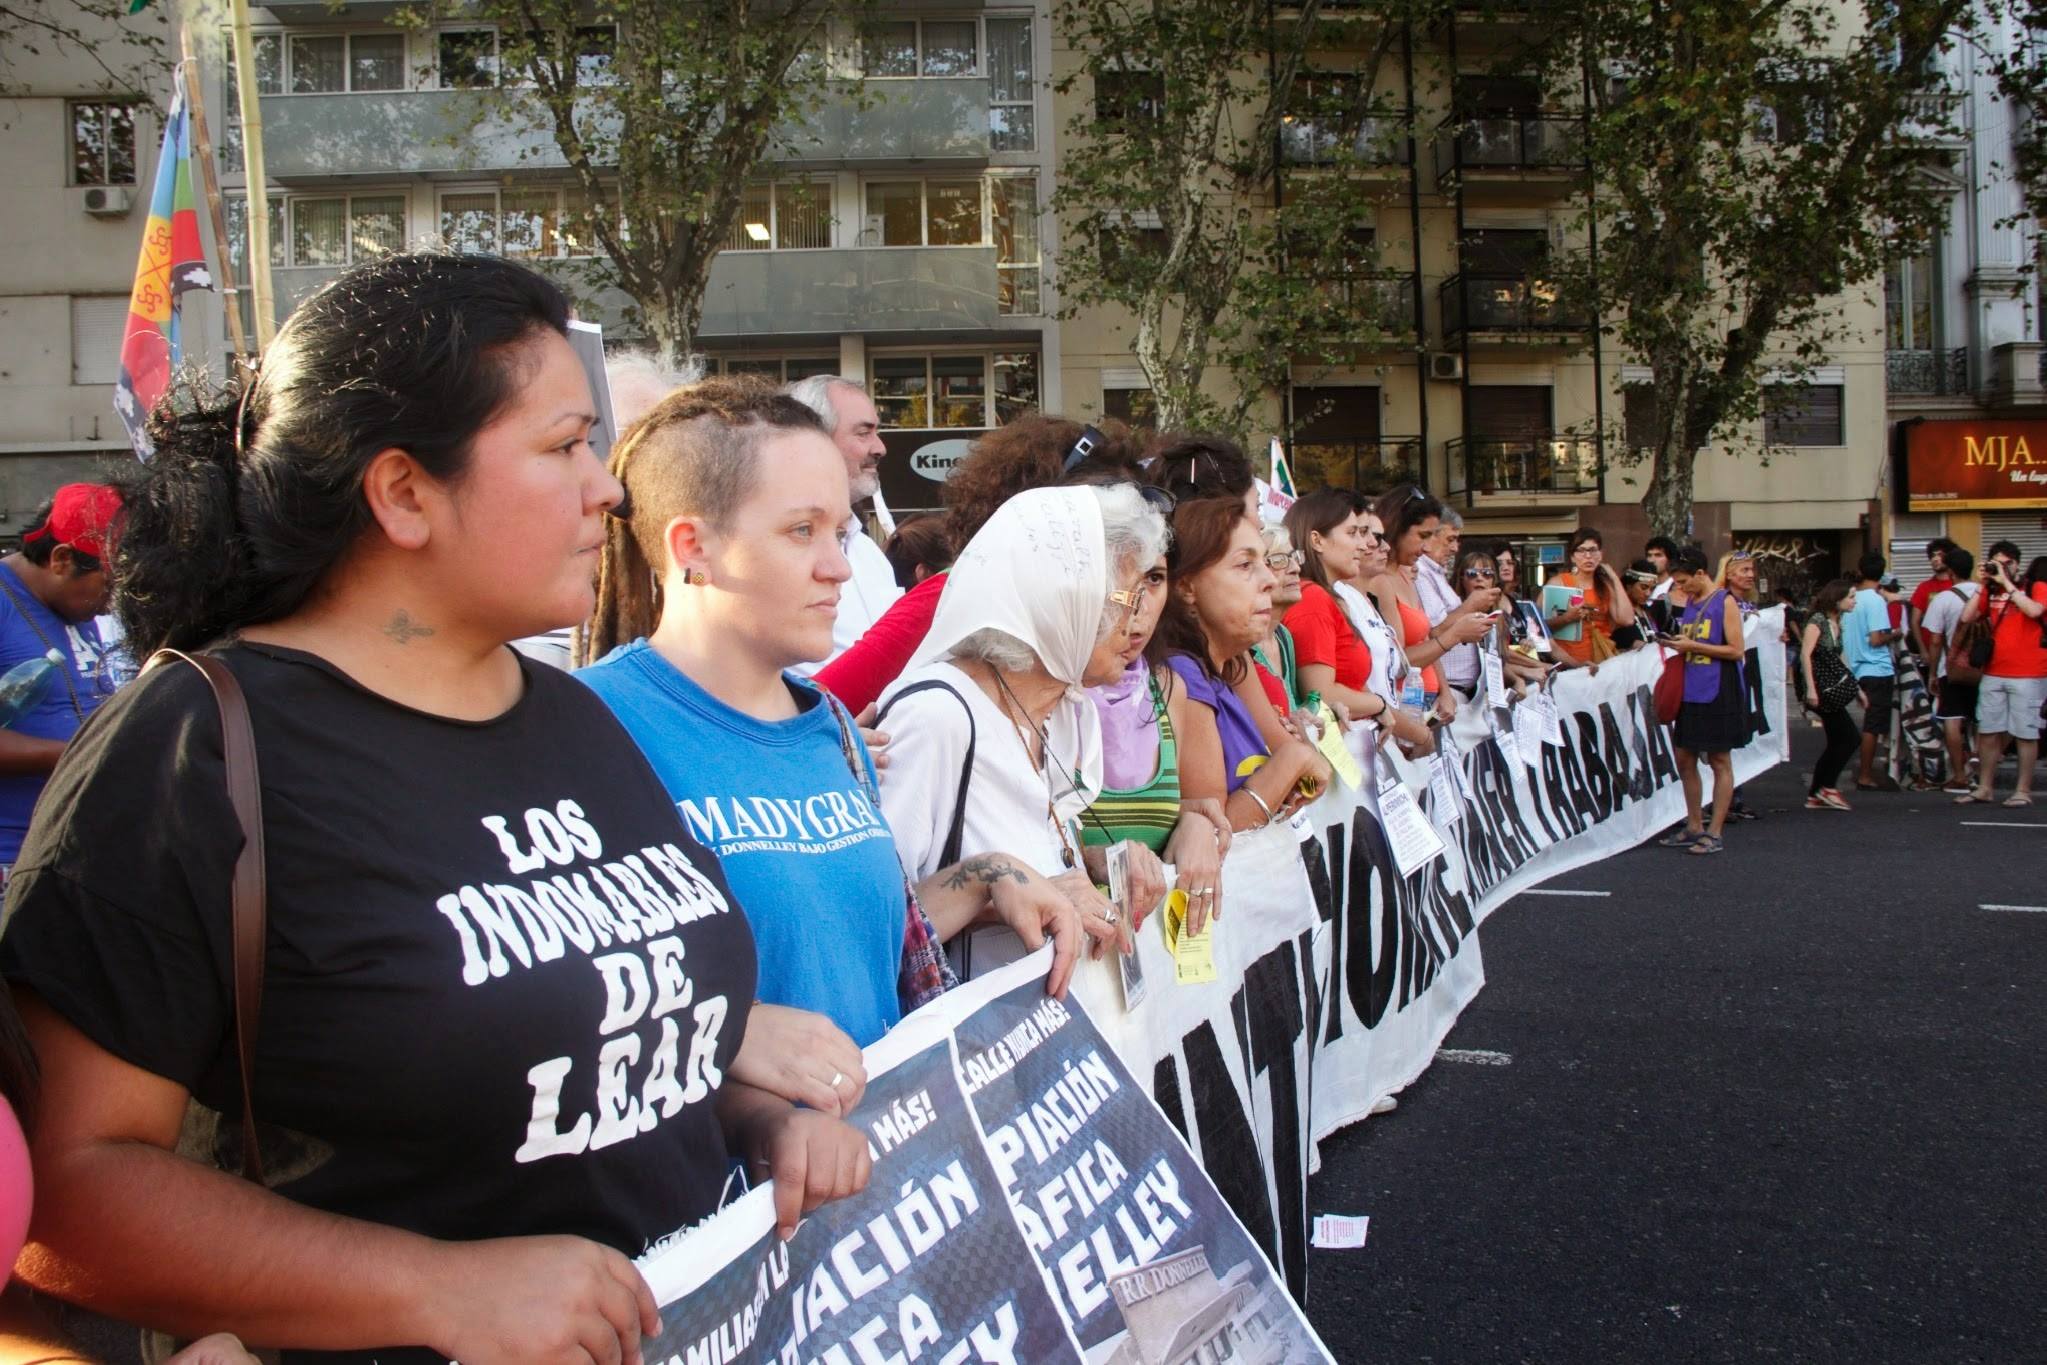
(17, 1190)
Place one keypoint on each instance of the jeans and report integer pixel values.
(1842, 742)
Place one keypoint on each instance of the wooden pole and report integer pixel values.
(210, 181)
(252, 163)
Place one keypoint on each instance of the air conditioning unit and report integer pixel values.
(106, 201)
(1446, 365)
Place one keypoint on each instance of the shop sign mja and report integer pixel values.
(1956, 466)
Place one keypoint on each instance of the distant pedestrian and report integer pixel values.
(1713, 720)
(1866, 638)
(1827, 688)
(1955, 679)
(2014, 687)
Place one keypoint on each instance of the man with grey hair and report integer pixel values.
(1446, 601)
(850, 415)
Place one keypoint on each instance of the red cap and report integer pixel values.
(82, 516)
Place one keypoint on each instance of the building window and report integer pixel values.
(98, 324)
(1908, 303)
(1803, 415)
(924, 213)
(235, 209)
(1793, 112)
(1509, 411)
(932, 48)
(1127, 97)
(1329, 118)
(530, 222)
(1014, 217)
(102, 143)
(1012, 87)
(1638, 416)
(320, 230)
(781, 369)
(467, 58)
(788, 215)
(321, 64)
(964, 390)
(1136, 407)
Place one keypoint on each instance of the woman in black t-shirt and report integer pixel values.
(503, 984)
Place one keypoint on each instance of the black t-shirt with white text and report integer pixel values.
(502, 981)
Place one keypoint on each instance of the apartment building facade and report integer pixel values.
(1966, 408)
(904, 239)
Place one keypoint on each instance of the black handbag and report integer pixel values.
(1831, 679)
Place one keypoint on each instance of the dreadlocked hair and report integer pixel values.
(695, 455)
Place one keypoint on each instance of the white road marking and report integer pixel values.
(1474, 1056)
(2000, 824)
(2030, 909)
(1548, 891)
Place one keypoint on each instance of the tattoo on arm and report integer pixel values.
(405, 630)
(984, 869)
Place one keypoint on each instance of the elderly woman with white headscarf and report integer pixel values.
(992, 744)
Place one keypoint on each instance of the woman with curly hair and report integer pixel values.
(1031, 452)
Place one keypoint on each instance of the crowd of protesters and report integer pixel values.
(813, 778)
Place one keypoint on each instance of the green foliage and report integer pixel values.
(663, 111)
(129, 53)
(1174, 206)
(1751, 163)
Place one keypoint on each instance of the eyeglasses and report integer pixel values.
(1281, 563)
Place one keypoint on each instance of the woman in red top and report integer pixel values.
(1329, 656)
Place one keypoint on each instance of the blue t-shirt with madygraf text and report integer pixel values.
(808, 856)
(62, 709)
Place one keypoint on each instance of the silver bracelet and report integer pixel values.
(1246, 789)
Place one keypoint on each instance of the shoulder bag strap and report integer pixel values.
(950, 854)
(245, 793)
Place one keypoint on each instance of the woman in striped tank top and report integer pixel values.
(1143, 713)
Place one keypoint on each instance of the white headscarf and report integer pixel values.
(1037, 570)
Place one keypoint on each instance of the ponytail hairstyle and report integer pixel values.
(254, 496)
(697, 454)
(1201, 537)
(1318, 514)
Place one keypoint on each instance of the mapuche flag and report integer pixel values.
(172, 262)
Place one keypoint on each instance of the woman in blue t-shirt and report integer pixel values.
(721, 581)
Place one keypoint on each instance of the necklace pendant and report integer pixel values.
(1066, 856)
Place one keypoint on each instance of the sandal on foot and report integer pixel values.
(2018, 799)
(1973, 799)
(1706, 843)
(1680, 838)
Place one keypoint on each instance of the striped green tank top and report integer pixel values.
(1144, 814)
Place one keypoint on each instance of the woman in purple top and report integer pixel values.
(1713, 721)
(1219, 604)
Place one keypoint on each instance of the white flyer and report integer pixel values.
(1528, 731)
(1495, 679)
(1414, 840)
(1552, 719)
(1443, 796)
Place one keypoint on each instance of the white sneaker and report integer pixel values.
(1386, 1105)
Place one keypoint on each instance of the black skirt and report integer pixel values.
(1719, 726)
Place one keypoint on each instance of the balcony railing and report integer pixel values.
(460, 131)
(1924, 374)
(1940, 117)
(1380, 298)
(1309, 140)
(1365, 465)
(1522, 467)
(1509, 142)
(1474, 302)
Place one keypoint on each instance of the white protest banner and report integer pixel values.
(1028, 1203)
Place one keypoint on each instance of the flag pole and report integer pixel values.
(194, 100)
(252, 162)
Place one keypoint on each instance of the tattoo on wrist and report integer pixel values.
(404, 629)
(984, 869)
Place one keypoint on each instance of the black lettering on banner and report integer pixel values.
(1478, 838)
(1165, 1090)
(1606, 796)
(1312, 858)
(1582, 803)
(1493, 785)
(1228, 1145)
(1559, 800)
(1372, 882)
(1305, 946)
(1268, 1011)
(1752, 678)
(1630, 780)
(1661, 756)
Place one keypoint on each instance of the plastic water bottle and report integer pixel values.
(23, 687)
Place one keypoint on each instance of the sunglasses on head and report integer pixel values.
(1158, 499)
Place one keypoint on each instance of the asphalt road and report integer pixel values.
(1786, 1103)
